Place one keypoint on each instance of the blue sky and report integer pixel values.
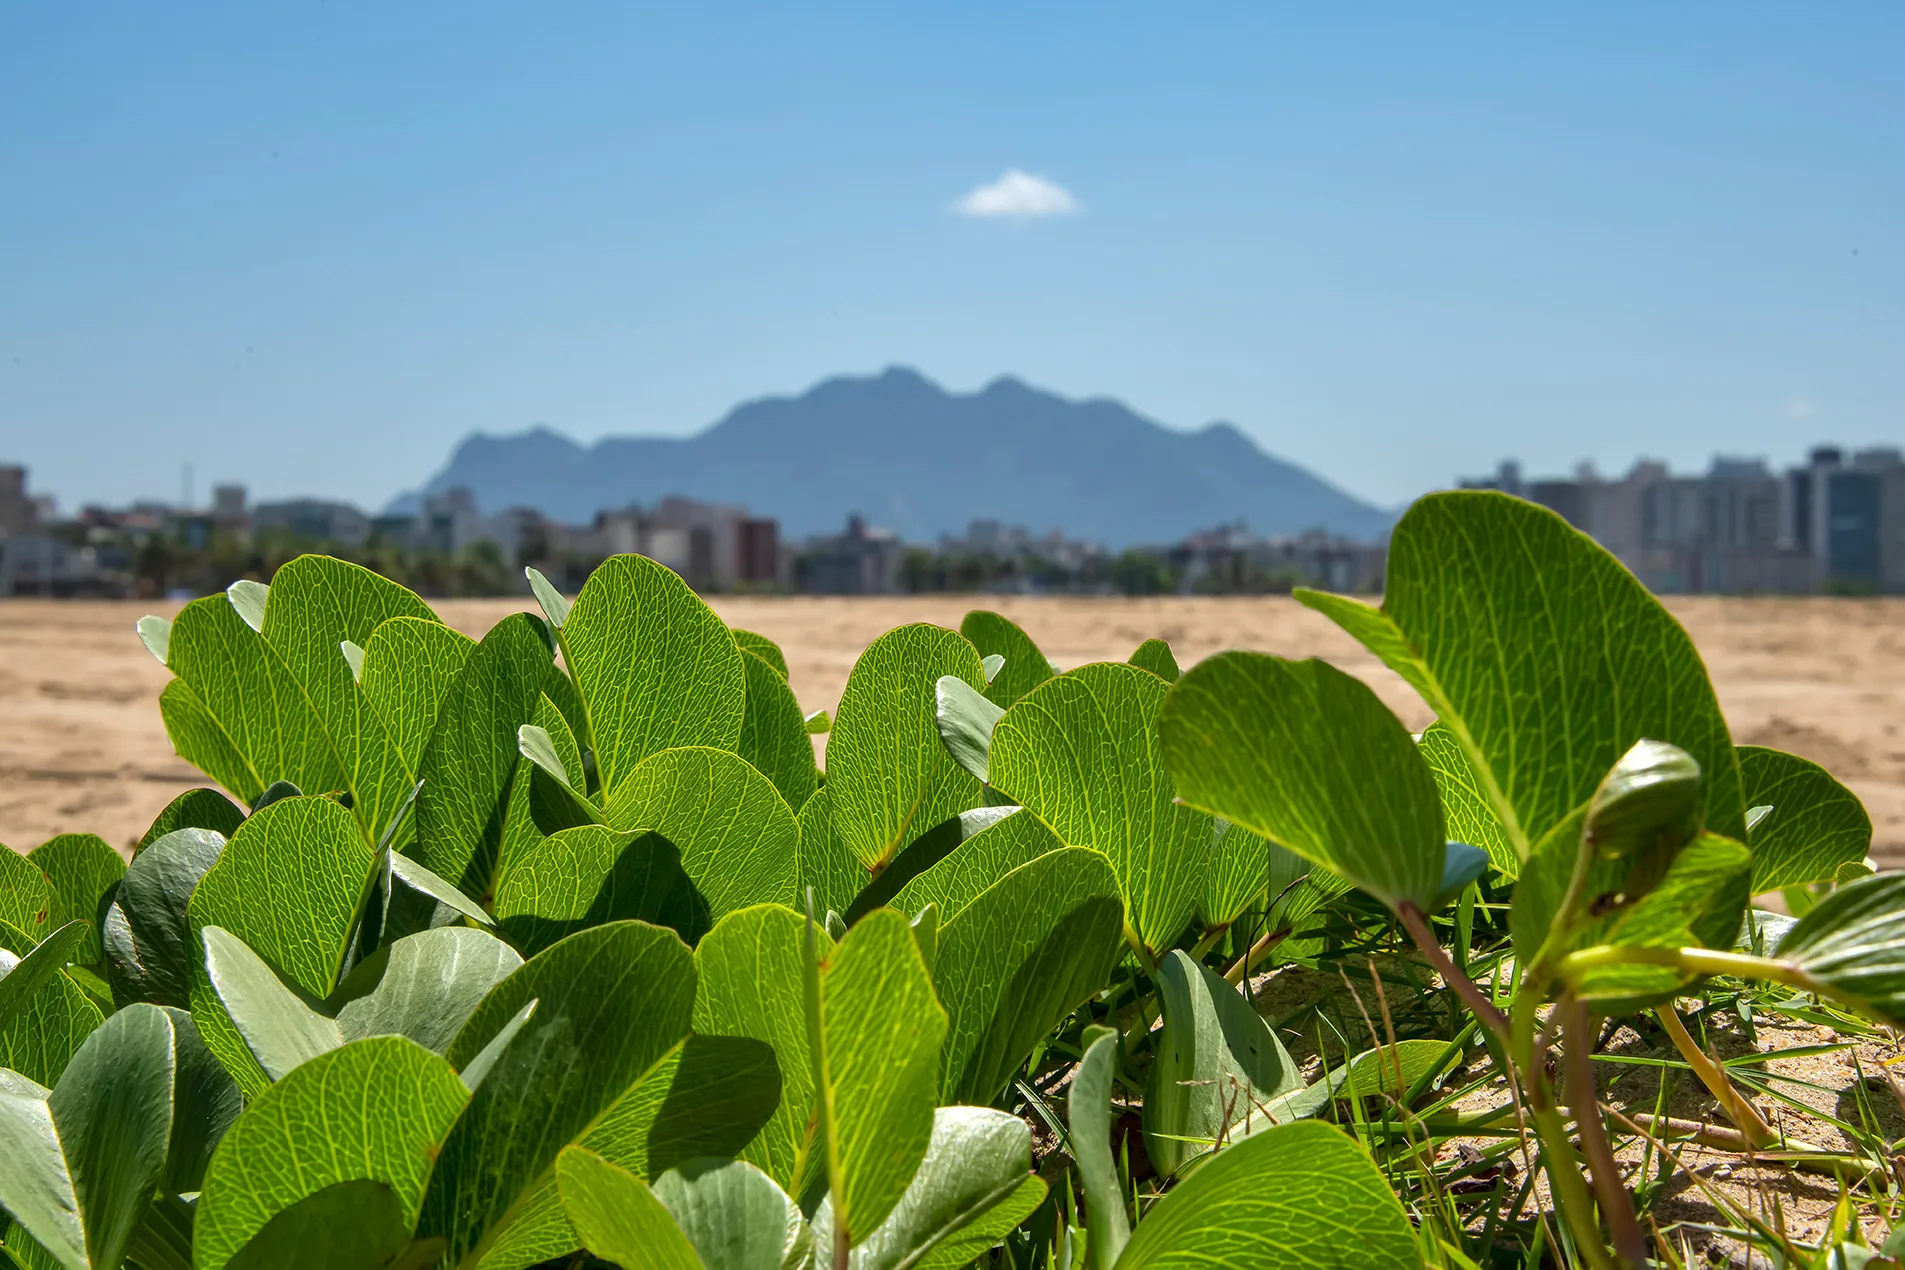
(309, 246)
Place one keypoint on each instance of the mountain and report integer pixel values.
(912, 457)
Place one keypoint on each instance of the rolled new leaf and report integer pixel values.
(1649, 802)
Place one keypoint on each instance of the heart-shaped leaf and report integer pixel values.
(40, 1035)
(655, 667)
(978, 1158)
(1309, 757)
(1542, 654)
(281, 1032)
(995, 635)
(426, 985)
(773, 733)
(889, 775)
(380, 1105)
(149, 956)
(1297, 1195)
(1217, 1064)
(1242, 867)
(827, 867)
(1816, 824)
(1082, 750)
(1468, 814)
(611, 1002)
(582, 877)
(1016, 961)
(84, 872)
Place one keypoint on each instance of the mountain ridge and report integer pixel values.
(908, 455)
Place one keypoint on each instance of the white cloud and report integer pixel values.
(1019, 195)
(1801, 409)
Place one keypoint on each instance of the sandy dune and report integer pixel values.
(82, 747)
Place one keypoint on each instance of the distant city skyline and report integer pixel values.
(311, 248)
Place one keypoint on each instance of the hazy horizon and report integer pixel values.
(312, 249)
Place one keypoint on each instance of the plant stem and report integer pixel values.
(1753, 1128)
(1241, 970)
(1564, 1178)
(1478, 1002)
(1699, 961)
(1617, 1206)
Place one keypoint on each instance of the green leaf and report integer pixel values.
(1543, 655)
(373, 1110)
(1297, 1195)
(307, 851)
(409, 667)
(734, 1215)
(618, 1217)
(426, 985)
(966, 719)
(40, 1037)
(427, 884)
(1309, 757)
(986, 844)
(764, 648)
(205, 1103)
(1816, 824)
(1217, 1064)
(85, 1160)
(22, 977)
(1025, 666)
(826, 864)
(774, 736)
(992, 664)
(875, 1031)
(237, 712)
(1155, 656)
(1082, 750)
(583, 877)
(655, 666)
(738, 840)
(890, 776)
(471, 753)
(1466, 811)
(307, 847)
(84, 872)
(194, 809)
(819, 723)
(148, 948)
(749, 968)
(1241, 866)
(612, 1001)
(316, 604)
(1852, 945)
(1018, 960)
(355, 1225)
(26, 897)
(282, 1032)
(977, 1158)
